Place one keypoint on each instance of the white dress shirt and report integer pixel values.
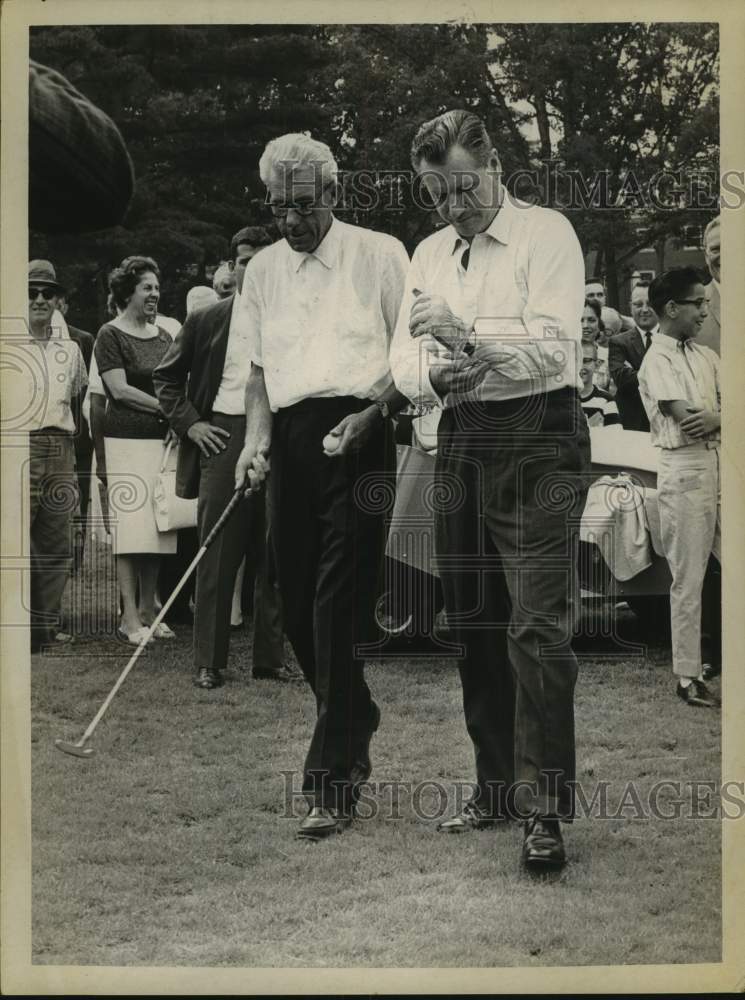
(643, 334)
(231, 393)
(320, 324)
(523, 293)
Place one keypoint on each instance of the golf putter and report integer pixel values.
(81, 748)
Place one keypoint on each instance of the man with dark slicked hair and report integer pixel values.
(489, 330)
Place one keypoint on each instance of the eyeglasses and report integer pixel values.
(280, 211)
(690, 302)
(304, 209)
(47, 293)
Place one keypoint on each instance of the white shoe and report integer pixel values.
(136, 637)
(162, 631)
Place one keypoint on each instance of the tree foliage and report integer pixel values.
(197, 104)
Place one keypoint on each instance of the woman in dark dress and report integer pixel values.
(127, 350)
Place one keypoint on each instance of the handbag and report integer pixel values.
(171, 512)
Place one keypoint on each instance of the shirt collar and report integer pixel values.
(671, 346)
(498, 229)
(327, 251)
(644, 333)
(58, 330)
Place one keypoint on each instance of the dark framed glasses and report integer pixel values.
(690, 302)
(47, 293)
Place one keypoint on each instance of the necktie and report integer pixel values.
(465, 257)
(648, 335)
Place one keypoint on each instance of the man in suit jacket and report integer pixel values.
(710, 334)
(625, 354)
(201, 386)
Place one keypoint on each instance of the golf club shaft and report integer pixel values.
(220, 524)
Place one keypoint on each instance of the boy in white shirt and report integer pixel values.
(679, 386)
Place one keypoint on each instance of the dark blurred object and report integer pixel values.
(80, 175)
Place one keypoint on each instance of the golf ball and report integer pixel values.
(330, 443)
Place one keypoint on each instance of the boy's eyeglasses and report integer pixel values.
(690, 302)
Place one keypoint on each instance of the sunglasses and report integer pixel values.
(47, 293)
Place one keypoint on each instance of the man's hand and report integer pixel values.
(700, 423)
(462, 374)
(207, 437)
(353, 431)
(252, 466)
(431, 314)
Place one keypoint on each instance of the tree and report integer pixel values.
(610, 107)
(635, 105)
(196, 105)
(388, 79)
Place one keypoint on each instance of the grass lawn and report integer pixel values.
(172, 845)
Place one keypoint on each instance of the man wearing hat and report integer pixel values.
(56, 371)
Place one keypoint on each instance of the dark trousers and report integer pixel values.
(54, 498)
(711, 614)
(83, 461)
(217, 570)
(513, 477)
(268, 648)
(328, 527)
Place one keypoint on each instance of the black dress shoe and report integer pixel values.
(321, 822)
(471, 817)
(283, 675)
(362, 767)
(696, 694)
(543, 847)
(208, 679)
(711, 670)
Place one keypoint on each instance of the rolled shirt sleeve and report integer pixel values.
(394, 267)
(659, 382)
(249, 315)
(551, 315)
(412, 357)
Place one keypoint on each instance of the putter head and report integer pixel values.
(73, 749)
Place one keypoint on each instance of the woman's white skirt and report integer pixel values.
(131, 468)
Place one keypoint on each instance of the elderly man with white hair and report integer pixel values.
(319, 308)
(711, 331)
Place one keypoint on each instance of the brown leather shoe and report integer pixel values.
(543, 847)
(321, 823)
